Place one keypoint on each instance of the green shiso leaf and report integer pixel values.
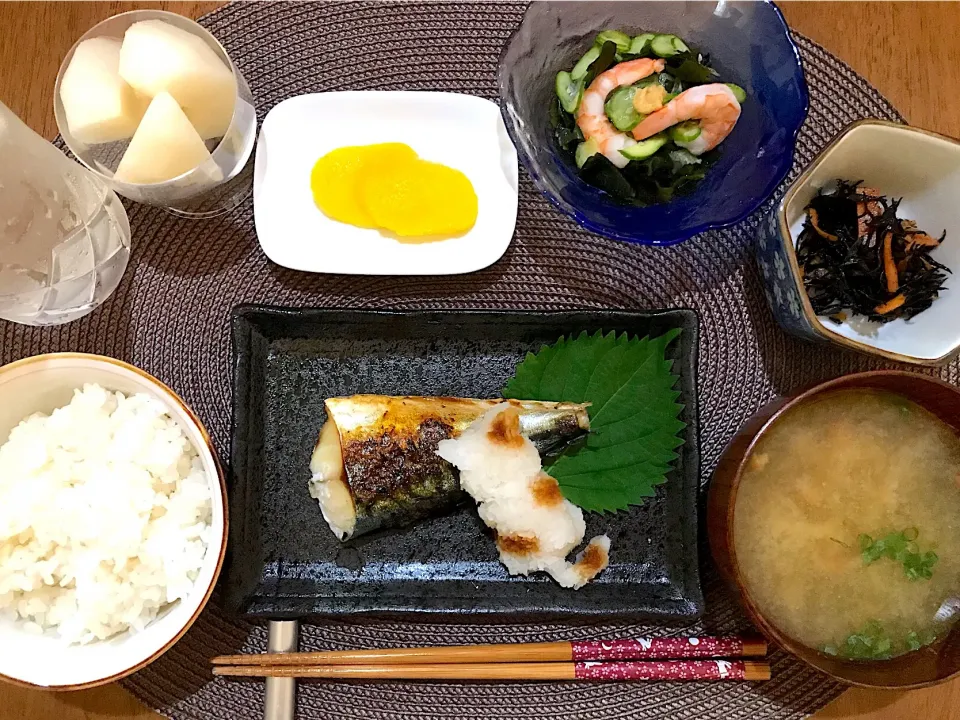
(634, 414)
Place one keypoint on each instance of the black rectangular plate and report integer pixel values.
(284, 562)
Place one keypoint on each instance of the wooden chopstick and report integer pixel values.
(584, 671)
(628, 649)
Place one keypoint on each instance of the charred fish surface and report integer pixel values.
(375, 465)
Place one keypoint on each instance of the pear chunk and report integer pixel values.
(165, 146)
(100, 106)
(159, 57)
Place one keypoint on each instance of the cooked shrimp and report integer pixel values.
(592, 119)
(715, 106)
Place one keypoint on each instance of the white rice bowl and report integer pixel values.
(111, 520)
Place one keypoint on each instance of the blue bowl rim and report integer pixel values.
(785, 166)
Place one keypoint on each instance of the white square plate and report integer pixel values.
(462, 131)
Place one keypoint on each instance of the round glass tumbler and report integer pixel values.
(64, 236)
(216, 186)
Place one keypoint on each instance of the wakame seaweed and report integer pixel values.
(603, 174)
(605, 60)
(856, 255)
(565, 129)
(667, 174)
(691, 70)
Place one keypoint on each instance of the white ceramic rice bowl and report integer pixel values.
(41, 384)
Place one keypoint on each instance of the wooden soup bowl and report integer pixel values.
(927, 666)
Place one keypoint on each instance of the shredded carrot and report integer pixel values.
(890, 305)
(889, 267)
(921, 238)
(815, 221)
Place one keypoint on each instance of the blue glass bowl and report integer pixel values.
(749, 45)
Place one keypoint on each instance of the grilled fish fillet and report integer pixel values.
(375, 464)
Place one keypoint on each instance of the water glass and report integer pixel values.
(64, 236)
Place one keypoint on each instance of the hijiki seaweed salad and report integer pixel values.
(856, 255)
(641, 116)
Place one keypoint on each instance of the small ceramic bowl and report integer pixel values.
(41, 384)
(900, 161)
(928, 666)
(748, 43)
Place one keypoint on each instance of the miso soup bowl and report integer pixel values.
(928, 666)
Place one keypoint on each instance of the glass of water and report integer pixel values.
(64, 236)
(216, 186)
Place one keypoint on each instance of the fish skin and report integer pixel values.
(389, 448)
(552, 431)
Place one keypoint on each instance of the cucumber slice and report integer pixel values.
(585, 150)
(738, 92)
(619, 108)
(640, 45)
(569, 91)
(645, 148)
(667, 45)
(620, 39)
(685, 132)
(583, 64)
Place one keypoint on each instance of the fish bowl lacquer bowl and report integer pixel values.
(748, 44)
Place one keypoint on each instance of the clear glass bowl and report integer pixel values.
(213, 188)
(748, 44)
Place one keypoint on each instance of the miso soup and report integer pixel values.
(847, 525)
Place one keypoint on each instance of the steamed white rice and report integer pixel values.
(104, 516)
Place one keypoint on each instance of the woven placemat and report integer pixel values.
(170, 317)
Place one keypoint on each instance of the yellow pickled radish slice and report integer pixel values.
(337, 176)
(420, 200)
